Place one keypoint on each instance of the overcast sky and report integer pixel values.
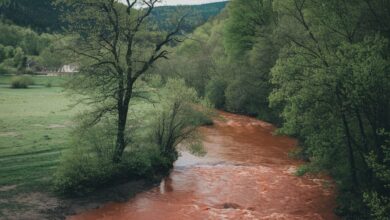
(188, 2)
(184, 2)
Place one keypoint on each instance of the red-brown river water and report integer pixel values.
(246, 174)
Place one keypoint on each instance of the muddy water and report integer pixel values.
(246, 174)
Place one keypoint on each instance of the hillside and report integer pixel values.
(196, 14)
(42, 16)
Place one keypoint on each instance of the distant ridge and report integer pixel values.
(196, 14)
(42, 16)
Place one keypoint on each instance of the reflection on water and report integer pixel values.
(246, 174)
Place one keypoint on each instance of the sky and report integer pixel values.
(185, 2)
(188, 2)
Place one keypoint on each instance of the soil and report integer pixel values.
(43, 205)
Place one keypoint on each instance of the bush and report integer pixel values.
(215, 92)
(88, 165)
(378, 198)
(26, 72)
(5, 70)
(21, 82)
(88, 162)
(177, 118)
(242, 97)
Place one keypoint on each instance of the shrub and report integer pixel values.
(26, 72)
(242, 97)
(215, 92)
(88, 162)
(88, 165)
(177, 118)
(154, 80)
(378, 198)
(5, 70)
(146, 162)
(21, 82)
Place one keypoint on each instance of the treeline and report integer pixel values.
(39, 15)
(23, 50)
(196, 15)
(318, 69)
(46, 15)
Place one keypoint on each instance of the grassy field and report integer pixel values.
(39, 80)
(34, 132)
(34, 125)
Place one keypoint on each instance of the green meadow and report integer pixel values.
(34, 128)
(35, 125)
(39, 80)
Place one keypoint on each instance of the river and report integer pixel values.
(246, 174)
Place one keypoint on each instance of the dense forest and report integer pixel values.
(39, 15)
(23, 50)
(196, 15)
(318, 69)
(44, 16)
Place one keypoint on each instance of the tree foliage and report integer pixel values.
(158, 127)
(228, 60)
(40, 15)
(330, 78)
(20, 47)
(117, 48)
(196, 15)
(319, 69)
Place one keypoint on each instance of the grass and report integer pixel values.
(34, 127)
(39, 80)
(34, 131)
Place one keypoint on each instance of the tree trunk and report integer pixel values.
(120, 137)
(350, 151)
(351, 157)
(123, 109)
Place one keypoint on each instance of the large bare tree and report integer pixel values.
(116, 48)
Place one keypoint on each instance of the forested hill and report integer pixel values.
(317, 69)
(42, 16)
(196, 14)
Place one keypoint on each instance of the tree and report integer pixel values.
(378, 200)
(247, 21)
(4, 2)
(19, 59)
(330, 78)
(2, 53)
(176, 118)
(117, 49)
(40, 15)
(252, 49)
